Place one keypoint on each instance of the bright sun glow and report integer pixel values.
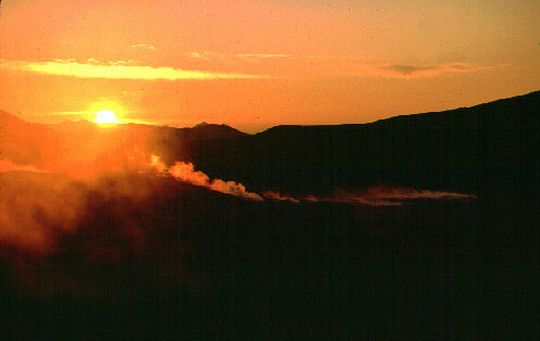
(106, 117)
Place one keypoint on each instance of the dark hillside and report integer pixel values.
(484, 149)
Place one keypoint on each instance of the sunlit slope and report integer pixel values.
(83, 148)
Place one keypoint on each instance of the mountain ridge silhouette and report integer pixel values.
(484, 149)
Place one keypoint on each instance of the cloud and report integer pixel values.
(263, 55)
(411, 70)
(207, 55)
(281, 65)
(406, 69)
(116, 70)
(207, 65)
(143, 46)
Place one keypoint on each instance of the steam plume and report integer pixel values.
(373, 196)
(9, 166)
(277, 196)
(185, 171)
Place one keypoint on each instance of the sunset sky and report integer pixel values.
(258, 63)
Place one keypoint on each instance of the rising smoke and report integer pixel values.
(185, 171)
(373, 196)
(37, 207)
(141, 209)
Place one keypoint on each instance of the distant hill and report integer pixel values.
(24, 143)
(174, 144)
(487, 148)
(84, 145)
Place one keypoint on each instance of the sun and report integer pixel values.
(106, 117)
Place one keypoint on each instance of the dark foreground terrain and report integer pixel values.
(179, 261)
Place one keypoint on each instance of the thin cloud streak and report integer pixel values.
(143, 46)
(319, 66)
(116, 70)
(410, 70)
(245, 66)
(207, 55)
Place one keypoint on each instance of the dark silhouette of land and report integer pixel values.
(135, 254)
(486, 149)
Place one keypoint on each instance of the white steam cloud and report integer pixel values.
(185, 171)
(372, 196)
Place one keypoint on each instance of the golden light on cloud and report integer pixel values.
(117, 70)
(106, 117)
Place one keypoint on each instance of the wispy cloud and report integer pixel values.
(143, 46)
(210, 66)
(263, 55)
(206, 55)
(282, 65)
(411, 70)
(116, 70)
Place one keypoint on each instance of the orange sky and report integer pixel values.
(258, 63)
